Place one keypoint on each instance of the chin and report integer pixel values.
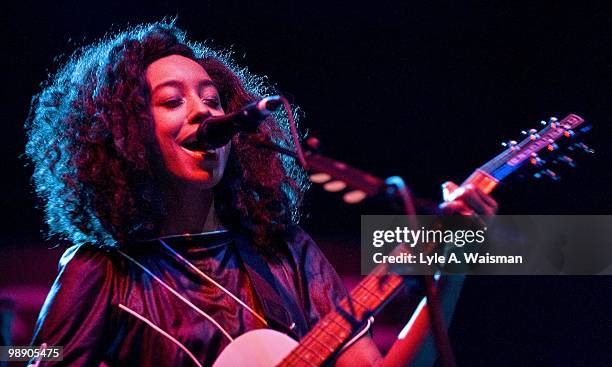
(202, 180)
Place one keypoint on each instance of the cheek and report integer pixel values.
(165, 131)
(166, 124)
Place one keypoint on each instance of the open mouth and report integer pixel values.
(194, 148)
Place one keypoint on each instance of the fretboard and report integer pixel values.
(328, 336)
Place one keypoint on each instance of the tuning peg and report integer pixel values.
(535, 160)
(581, 146)
(568, 133)
(552, 146)
(585, 148)
(533, 134)
(510, 144)
(567, 160)
(552, 120)
(552, 174)
(546, 172)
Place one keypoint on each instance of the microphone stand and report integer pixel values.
(404, 350)
(434, 305)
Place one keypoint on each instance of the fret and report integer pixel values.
(354, 301)
(304, 359)
(373, 293)
(326, 346)
(316, 335)
(306, 348)
(387, 283)
(318, 331)
(372, 283)
(359, 305)
(324, 330)
(367, 289)
(299, 359)
(384, 287)
(343, 327)
(311, 352)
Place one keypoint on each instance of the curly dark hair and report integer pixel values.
(91, 143)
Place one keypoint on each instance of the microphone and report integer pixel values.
(215, 132)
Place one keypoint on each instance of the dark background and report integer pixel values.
(424, 91)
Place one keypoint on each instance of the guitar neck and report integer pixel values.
(326, 338)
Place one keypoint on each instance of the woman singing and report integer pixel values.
(175, 250)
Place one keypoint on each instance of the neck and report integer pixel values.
(189, 212)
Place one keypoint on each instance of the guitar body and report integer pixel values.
(256, 348)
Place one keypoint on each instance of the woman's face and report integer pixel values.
(182, 96)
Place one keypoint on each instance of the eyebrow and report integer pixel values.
(177, 84)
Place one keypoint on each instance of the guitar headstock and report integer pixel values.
(538, 149)
(553, 144)
(562, 153)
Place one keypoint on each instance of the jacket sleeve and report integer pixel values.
(76, 313)
(321, 284)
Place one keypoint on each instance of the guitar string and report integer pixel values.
(318, 331)
(314, 354)
(295, 355)
(303, 358)
(357, 293)
(205, 276)
(185, 300)
(298, 351)
(326, 346)
(161, 331)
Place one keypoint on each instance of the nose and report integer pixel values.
(199, 111)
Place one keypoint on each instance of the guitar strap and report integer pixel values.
(279, 306)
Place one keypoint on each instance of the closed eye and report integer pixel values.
(212, 102)
(172, 103)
